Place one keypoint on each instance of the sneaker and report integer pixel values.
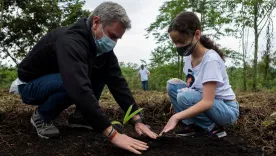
(77, 121)
(44, 130)
(218, 131)
(189, 130)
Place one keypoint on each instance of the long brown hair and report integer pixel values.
(187, 23)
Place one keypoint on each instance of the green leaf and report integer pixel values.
(132, 115)
(128, 112)
(116, 123)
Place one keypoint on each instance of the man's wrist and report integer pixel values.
(110, 133)
(136, 117)
(107, 131)
(139, 120)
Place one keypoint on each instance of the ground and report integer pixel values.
(253, 135)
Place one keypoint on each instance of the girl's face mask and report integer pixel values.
(187, 49)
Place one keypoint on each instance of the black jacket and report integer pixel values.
(71, 51)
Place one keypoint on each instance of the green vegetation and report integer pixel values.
(128, 116)
(250, 68)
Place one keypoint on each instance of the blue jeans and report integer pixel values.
(223, 113)
(145, 85)
(49, 94)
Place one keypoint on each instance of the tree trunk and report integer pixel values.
(255, 70)
(2, 12)
(244, 75)
(244, 54)
(267, 54)
(266, 68)
(202, 15)
(5, 50)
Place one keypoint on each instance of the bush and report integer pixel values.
(7, 75)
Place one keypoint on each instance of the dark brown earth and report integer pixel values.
(247, 138)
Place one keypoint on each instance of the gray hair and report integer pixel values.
(110, 12)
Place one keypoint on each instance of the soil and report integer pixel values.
(18, 137)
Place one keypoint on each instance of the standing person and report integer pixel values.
(144, 74)
(206, 100)
(71, 65)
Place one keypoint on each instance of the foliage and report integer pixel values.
(7, 75)
(253, 14)
(218, 18)
(128, 116)
(25, 22)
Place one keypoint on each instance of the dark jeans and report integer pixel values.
(145, 85)
(49, 94)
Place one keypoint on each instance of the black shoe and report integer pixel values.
(189, 130)
(77, 121)
(218, 131)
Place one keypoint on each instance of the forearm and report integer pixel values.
(198, 108)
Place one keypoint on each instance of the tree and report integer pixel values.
(267, 52)
(25, 22)
(213, 19)
(254, 14)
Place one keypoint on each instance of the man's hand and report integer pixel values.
(170, 124)
(143, 129)
(125, 142)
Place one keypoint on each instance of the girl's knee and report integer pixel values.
(183, 99)
(170, 88)
(174, 84)
(188, 98)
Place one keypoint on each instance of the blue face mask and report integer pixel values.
(105, 44)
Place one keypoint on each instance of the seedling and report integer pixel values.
(127, 117)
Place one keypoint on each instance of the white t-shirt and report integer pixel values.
(14, 86)
(211, 68)
(144, 74)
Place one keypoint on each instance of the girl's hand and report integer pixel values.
(170, 124)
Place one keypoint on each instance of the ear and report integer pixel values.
(96, 22)
(197, 34)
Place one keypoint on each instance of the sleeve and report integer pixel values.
(212, 72)
(72, 59)
(118, 86)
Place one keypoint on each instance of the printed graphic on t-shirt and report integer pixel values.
(190, 79)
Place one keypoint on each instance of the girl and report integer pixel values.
(206, 101)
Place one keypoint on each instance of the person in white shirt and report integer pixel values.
(144, 74)
(206, 101)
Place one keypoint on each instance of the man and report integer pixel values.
(71, 65)
(144, 73)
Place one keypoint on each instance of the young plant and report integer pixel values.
(128, 116)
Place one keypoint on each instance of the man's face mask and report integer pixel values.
(105, 44)
(187, 49)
